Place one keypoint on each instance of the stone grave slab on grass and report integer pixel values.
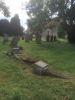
(40, 67)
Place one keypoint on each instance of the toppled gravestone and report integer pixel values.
(39, 67)
(15, 50)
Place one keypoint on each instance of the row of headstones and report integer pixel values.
(27, 38)
(38, 38)
(14, 40)
(5, 38)
(31, 37)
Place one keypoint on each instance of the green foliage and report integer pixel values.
(56, 6)
(70, 17)
(39, 15)
(16, 97)
(16, 27)
(41, 12)
(4, 9)
(11, 28)
(4, 26)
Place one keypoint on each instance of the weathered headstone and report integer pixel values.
(16, 50)
(40, 67)
(15, 41)
(27, 37)
(31, 37)
(5, 38)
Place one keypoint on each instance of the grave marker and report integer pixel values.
(40, 67)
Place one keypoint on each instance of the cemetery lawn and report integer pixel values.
(17, 82)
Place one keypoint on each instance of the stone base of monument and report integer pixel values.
(40, 67)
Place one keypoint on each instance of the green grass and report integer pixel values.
(18, 83)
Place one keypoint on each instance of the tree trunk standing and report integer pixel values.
(70, 16)
(55, 39)
(71, 34)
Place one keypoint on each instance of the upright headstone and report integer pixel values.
(14, 41)
(27, 37)
(23, 37)
(31, 37)
(5, 38)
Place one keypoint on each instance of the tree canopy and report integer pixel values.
(12, 28)
(4, 9)
(16, 27)
(4, 26)
(39, 15)
(41, 12)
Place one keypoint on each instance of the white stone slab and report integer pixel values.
(41, 64)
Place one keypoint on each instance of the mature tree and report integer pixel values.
(65, 9)
(4, 9)
(16, 27)
(4, 26)
(11, 28)
(70, 17)
(39, 15)
(41, 12)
